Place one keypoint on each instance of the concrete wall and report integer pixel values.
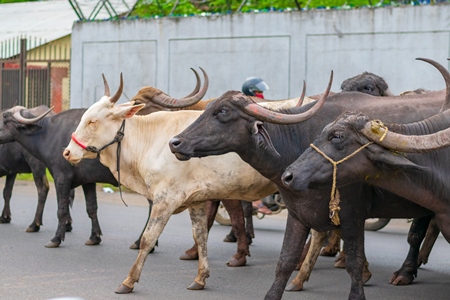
(282, 48)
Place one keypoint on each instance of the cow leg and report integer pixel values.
(317, 241)
(430, 238)
(334, 244)
(62, 196)
(90, 194)
(294, 240)
(159, 217)
(137, 243)
(408, 271)
(304, 253)
(41, 182)
(211, 210)
(7, 192)
(200, 234)
(236, 213)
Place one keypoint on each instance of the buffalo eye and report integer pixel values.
(336, 137)
(368, 88)
(222, 111)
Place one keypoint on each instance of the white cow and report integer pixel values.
(148, 167)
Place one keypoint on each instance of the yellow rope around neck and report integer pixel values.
(335, 199)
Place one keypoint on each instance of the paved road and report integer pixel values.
(31, 271)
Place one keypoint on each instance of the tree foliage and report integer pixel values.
(152, 8)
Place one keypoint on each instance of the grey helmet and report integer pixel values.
(253, 84)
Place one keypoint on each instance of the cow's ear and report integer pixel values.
(391, 159)
(126, 112)
(262, 136)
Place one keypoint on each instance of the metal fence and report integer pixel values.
(34, 73)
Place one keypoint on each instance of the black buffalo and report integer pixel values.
(230, 124)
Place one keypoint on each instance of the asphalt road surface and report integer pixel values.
(31, 271)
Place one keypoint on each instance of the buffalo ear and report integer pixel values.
(127, 111)
(391, 159)
(29, 128)
(262, 136)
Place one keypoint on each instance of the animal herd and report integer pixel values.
(336, 161)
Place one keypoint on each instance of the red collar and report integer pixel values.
(77, 141)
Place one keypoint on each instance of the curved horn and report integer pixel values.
(270, 116)
(23, 120)
(105, 82)
(375, 131)
(117, 95)
(171, 102)
(446, 76)
(197, 86)
(302, 97)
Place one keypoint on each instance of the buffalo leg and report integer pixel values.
(90, 193)
(7, 192)
(353, 237)
(249, 229)
(294, 240)
(236, 213)
(42, 186)
(408, 271)
(62, 196)
(430, 238)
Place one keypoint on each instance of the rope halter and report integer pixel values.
(335, 198)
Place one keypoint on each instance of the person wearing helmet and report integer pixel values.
(254, 86)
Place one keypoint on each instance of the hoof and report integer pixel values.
(92, 243)
(328, 252)
(195, 286)
(134, 246)
(33, 228)
(4, 220)
(294, 288)
(236, 262)
(366, 277)
(123, 289)
(340, 262)
(189, 256)
(397, 279)
(230, 239)
(52, 245)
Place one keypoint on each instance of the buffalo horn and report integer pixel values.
(446, 76)
(302, 97)
(171, 102)
(197, 86)
(406, 143)
(19, 118)
(270, 116)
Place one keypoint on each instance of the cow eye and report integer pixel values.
(92, 122)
